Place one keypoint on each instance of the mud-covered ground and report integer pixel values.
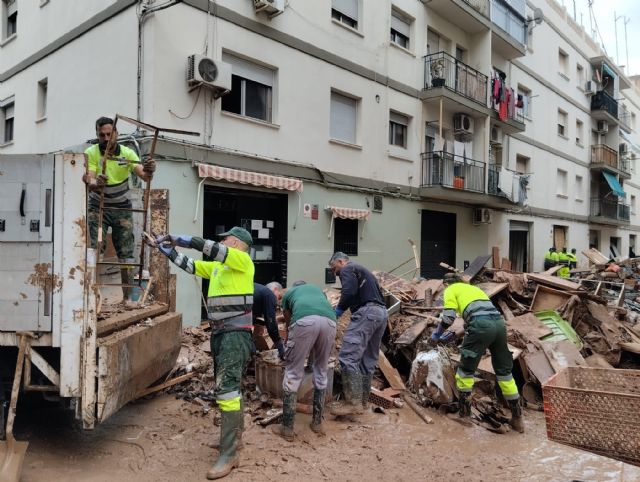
(164, 439)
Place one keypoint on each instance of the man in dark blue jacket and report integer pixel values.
(361, 343)
(265, 301)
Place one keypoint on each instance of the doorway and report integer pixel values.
(559, 237)
(438, 243)
(519, 246)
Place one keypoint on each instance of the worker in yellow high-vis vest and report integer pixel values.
(484, 328)
(229, 305)
(564, 259)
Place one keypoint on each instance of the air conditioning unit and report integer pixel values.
(203, 71)
(602, 126)
(481, 216)
(377, 203)
(590, 87)
(270, 7)
(462, 124)
(496, 135)
(623, 149)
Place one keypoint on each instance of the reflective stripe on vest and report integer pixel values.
(114, 195)
(222, 308)
(480, 308)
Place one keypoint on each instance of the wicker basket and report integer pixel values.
(595, 409)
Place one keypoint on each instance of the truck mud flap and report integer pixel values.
(132, 359)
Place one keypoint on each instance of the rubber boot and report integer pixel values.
(239, 444)
(288, 416)
(318, 409)
(366, 390)
(126, 279)
(464, 400)
(517, 421)
(228, 458)
(352, 389)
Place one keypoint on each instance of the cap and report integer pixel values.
(240, 233)
(450, 278)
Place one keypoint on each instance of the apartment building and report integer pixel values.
(342, 124)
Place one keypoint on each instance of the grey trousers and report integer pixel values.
(361, 343)
(311, 335)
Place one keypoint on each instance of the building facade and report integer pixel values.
(343, 125)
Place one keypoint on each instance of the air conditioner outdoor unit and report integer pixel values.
(377, 203)
(602, 126)
(270, 7)
(590, 87)
(623, 149)
(496, 135)
(481, 216)
(462, 124)
(203, 71)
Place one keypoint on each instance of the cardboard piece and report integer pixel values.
(539, 366)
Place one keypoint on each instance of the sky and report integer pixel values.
(603, 11)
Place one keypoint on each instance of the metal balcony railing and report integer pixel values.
(602, 154)
(625, 118)
(444, 70)
(603, 101)
(440, 168)
(494, 180)
(609, 209)
(481, 6)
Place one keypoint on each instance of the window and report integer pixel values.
(343, 120)
(524, 94)
(398, 124)
(42, 99)
(561, 183)
(562, 123)
(346, 236)
(9, 18)
(345, 11)
(433, 42)
(522, 164)
(632, 245)
(580, 76)
(578, 188)
(400, 29)
(633, 204)
(251, 89)
(563, 63)
(579, 132)
(7, 118)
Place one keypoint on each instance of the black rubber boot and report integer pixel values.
(285, 430)
(352, 389)
(366, 390)
(228, 458)
(464, 401)
(517, 421)
(318, 409)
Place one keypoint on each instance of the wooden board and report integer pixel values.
(476, 266)
(552, 270)
(127, 318)
(413, 332)
(546, 298)
(390, 373)
(529, 326)
(561, 284)
(434, 284)
(495, 255)
(506, 264)
(132, 359)
(158, 262)
(563, 354)
(631, 347)
(539, 366)
(492, 289)
(595, 256)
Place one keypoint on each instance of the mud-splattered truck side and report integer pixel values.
(49, 293)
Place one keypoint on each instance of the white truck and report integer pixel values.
(49, 295)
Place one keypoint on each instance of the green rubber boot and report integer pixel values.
(352, 389)
(318, 409)
(228, 458)
(239, 444)
(288, 416)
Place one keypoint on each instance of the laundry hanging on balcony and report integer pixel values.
(615, 186)
(346, 213)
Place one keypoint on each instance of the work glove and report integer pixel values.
(164, 246)
(149, 167)
(280, 347)
(447, 336)
(98, 183)
(339, 311)
(437, 334)
(181, 240)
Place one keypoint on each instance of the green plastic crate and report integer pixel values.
(562, 330)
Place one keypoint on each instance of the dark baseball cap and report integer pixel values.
(240, 233)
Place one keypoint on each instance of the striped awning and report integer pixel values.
(220, 173)
(349, 213)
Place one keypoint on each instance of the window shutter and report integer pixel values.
(398, 118)
(248, 70)
(343, 118)
(400, 24)
(346, 7)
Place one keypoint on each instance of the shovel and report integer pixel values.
(12, 452)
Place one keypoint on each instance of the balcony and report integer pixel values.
(609, 211)
(604, 107)
(606, 158)
(471, 16)
(462, 86)
(440, 168)
(509, 33)
(624, 116)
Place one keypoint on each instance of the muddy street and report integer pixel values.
(165, 439)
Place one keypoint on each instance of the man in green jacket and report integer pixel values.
(484, 328)
(229, 304)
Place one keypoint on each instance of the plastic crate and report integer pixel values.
(595, 409)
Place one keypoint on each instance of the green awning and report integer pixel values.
(615, 186)
(608, 70)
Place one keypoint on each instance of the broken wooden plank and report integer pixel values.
(463, 276)
(539, 366)
(630, 347)
(167, 384)
(506, 264)
(414, 406)
(552, 270)
(430, 318)
(390, 373)
(506, 312)
(492, 289)
(546, 298)
(529, 326)
(413, 332)
(595, 256)
(127, 318)
(553, 281)
(495, 254)
(435, 285)
(476, 266)
(563, 354)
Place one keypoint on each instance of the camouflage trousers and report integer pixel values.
(121, 223)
